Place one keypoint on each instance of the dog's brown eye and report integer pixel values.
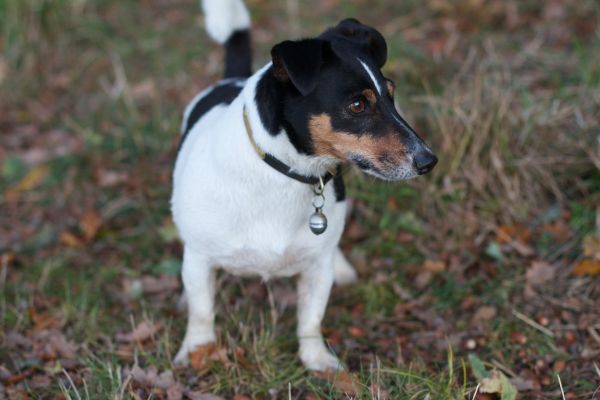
(358, 106)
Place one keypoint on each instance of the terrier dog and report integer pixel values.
(251, 186)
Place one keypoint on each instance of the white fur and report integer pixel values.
(235, 212)
(371, 75)
(223, 17)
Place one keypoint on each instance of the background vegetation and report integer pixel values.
(485, 272)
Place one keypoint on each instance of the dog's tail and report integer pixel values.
(228, 23)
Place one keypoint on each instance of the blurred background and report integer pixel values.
(490, 263)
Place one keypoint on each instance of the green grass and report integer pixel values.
(109, 79)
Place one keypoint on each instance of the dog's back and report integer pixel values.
(228, 23)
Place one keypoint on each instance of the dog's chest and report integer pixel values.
(271, 238)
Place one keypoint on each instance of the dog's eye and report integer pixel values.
(357, 106)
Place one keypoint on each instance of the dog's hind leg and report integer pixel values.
(314, 286)
(344, 272)
(199, 288)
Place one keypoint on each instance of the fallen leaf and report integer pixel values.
(70, 239)
(484, 314)
(434, 266)
(342, 381)
(357, 331)
(143, 331)
(523, 384)
(90, 222)
(203, 356)
(591, 247)
(498, 383)
(518, 337)
(161, 284)
(34, 177)
(587, 267)
(44, 320)
(539, 273)
(193, 395)
(515, 232)
(150, 378)
(52, 344)
(477, 367)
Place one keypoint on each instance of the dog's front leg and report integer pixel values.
(199, 285)
(314, 286)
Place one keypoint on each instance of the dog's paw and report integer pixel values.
(320, 359)
(189, 346)
(344, 273)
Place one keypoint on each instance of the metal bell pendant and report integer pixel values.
(317, 222)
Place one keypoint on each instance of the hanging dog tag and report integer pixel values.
(318, 222)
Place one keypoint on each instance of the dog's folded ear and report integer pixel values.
(298, 62)
(352, 29)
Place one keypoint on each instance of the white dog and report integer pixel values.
(251, 190)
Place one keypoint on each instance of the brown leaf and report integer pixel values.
(518, 337)
(34, 177)
(70, 239)
(357, 331)
(434, 266)
(90, 222)
(150, 378)
(516, 232)
(143, 331)
(591, 247)
(52, 344)
(162, 284)
(203, 356)
(587, 267)
(193, 395)
(539, 273)
(484, 314)
(342, 381)
(44, 320)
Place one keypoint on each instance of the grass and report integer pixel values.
(91, 94)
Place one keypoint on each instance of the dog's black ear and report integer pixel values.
(299, 62)
(371, 38)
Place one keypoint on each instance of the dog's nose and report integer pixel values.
(424, 161)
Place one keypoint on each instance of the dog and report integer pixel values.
(257, 188)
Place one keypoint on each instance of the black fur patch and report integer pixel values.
(339, 187)
(238, 55)
(221, 94)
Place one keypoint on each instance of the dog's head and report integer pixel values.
(340, 104)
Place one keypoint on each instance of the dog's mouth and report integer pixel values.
(386, 168)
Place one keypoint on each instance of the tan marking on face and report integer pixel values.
(370, 96)
(385, 152)
(390, 88)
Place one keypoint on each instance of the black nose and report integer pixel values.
(424, 162)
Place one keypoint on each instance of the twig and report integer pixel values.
(532, 323)
(476, 390)
(597, 369)
(504, 368)
(594, 334)
(562, 391)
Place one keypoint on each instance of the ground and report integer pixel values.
(481, 277)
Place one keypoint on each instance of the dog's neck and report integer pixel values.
(264, 103)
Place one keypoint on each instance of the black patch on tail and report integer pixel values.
(238, 55)
(221, 94)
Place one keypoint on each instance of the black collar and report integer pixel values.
(281, 166)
